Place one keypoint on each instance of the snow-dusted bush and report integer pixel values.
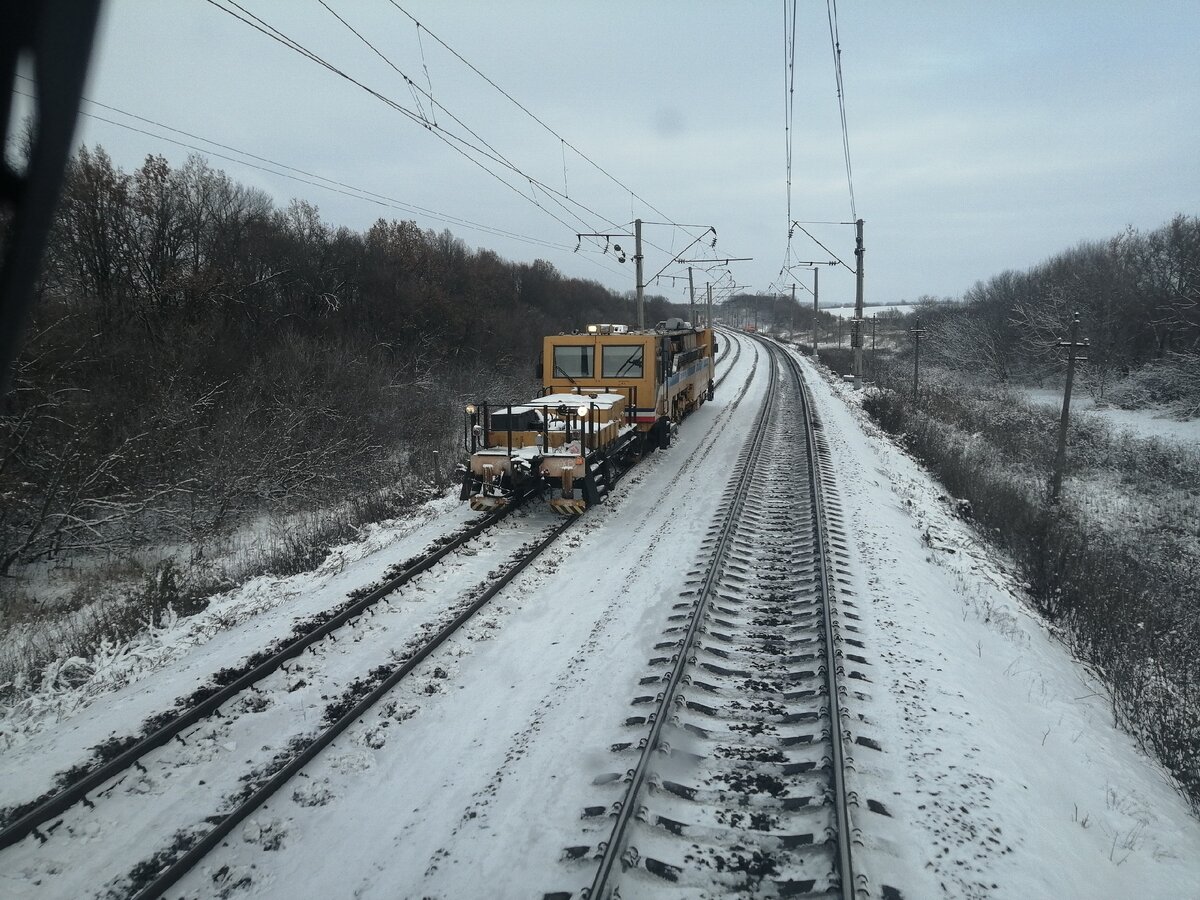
(1116, 569)
(1173, 383)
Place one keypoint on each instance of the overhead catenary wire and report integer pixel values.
(836, 41)
(425, 66)
(822, 246)
(455, 142)
(789, 83)
(789, 50)
(471, 151)
(564, 143)
(559, 198)
(492, 153)
(789, 87)
(487, 151)
(539, 121)
(301, 176)
(430, 119)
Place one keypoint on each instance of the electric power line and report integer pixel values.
(455, 142)
(789, 87)
(431, 123)
(836, 41)
(535, 118)
(441, 134)
(789, 74)
(329, 184)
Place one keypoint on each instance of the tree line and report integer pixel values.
(197, 355)
(1138, 299)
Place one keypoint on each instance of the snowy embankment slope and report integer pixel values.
(999, 769)
(1005, 774)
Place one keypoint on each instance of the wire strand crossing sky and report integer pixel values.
(986, 136)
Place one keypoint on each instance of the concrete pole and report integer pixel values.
(692, 294)
(709, 314)
(816, 307)
(637, 258)
(858, 303)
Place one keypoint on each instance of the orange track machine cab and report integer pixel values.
(610, 395)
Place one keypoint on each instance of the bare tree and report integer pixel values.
(1170, 269)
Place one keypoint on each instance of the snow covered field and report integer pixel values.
(1144, 423)
(998, 773)
(847, 312)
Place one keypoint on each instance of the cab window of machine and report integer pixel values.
(622, 361)
(574, 362)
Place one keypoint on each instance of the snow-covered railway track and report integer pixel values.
(730, 344)
(134, 825)
(122, 754)
(205, 759)
(735, 785)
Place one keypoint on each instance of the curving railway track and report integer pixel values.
(390, 638)
(735, 779)
(735, 764)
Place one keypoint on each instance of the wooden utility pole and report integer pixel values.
(856, 335)
(1060, 457)
(916, 333)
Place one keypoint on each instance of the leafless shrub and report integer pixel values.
(1124, 596)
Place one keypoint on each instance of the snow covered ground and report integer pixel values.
(847, 312)
(1006, 775)
(1143, 423)
(998, 772)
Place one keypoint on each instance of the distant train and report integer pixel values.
(610, 395)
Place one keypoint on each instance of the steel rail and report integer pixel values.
(832, 665)
(729, 339)
(59, 802)
(613, 848)
(230, 820)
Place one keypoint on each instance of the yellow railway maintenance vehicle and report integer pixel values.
(610, 395)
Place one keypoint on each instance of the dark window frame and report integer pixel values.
(637, 351)
(581, 352)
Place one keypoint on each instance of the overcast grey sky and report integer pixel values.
(983, 136)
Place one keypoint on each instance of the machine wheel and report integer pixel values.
(664, 433)
(470, 485)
